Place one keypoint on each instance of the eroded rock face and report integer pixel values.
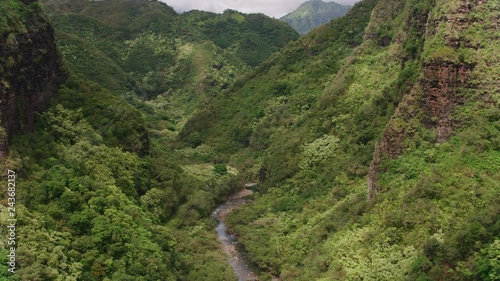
(29, 76)
(436, 95)
(442, 80)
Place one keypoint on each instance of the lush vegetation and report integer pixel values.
(252, 38)
(101, 194)
(19, 18)
(306, 122)
(98, 201)
(144, 50)
(162, 117)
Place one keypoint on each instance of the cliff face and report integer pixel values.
(445, 76)
(30, 69)
(441, 82)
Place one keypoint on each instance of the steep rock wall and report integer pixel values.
(434, 98)
(441, 82)
(30, 71)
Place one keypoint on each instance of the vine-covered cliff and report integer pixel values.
(30, 68)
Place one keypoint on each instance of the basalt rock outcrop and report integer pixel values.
(439, 91)
(442, 81)
(30, 72)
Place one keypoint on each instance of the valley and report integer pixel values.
(372, 142)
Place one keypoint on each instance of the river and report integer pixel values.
(244, 269)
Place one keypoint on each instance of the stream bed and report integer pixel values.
(243, 268)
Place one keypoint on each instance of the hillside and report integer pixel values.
(250, 37)
(314, 13)
(89, 111)
(395, 102)
(144, 49)
(374, 140)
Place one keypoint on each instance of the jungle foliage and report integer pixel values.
(250, 37)
(98, 201)
(162, 117)
(306, 122)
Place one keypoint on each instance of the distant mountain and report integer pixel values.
(314, 13)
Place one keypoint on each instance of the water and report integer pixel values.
(238, 260)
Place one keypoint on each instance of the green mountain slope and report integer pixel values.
(409, 118)
(252, 37)
(29, 68)
(314, 13)
(130, 16)
(96, 196)
(145, 49)
(281, 80)
(133, 45)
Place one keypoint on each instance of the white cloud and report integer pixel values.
(273, 8)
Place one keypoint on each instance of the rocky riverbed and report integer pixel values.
(243, 268)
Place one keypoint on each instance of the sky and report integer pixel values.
(272, 8)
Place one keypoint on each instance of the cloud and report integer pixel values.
(273, 8)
